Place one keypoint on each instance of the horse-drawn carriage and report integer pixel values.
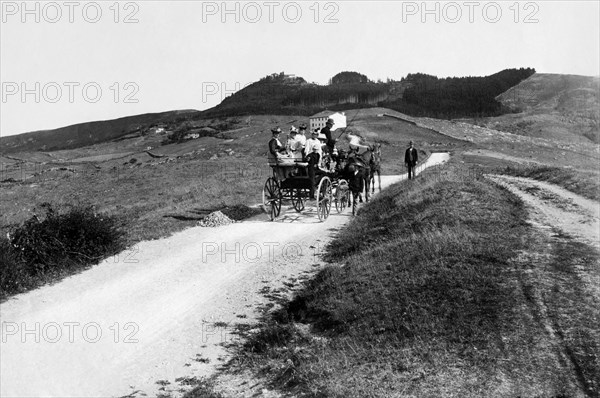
(291, 182)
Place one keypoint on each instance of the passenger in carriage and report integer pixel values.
(275, 146)
(313, 142)
(301, 137)
(357, 145)
(294, 146)
(277, 154)
(313, 159)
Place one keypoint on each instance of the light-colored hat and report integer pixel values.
(293, 129)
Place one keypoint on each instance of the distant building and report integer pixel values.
(191, 136)
(318, 120)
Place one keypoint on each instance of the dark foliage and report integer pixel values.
(40, 250)
(349, 78)
(457, 96)
(417, 94)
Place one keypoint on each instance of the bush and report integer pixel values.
(41, 250)
(13, 277)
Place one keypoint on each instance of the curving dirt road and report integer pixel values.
(557, 207)
(159, 311)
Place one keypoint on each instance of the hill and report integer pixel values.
(417, 95)
(289, 95)
(552, 106)
(84, 134)
(281, 94)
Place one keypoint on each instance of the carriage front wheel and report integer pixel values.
(272, 198)
(324, 198)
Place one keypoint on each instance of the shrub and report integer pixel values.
(40, 250)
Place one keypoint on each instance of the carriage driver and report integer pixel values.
(329, 140)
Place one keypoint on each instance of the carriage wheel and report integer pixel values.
(324, 198)
(297, 200)
(272, 198)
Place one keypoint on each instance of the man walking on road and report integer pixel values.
(411, 158)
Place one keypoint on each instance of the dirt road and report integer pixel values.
(559, 283)
(557, 207)
(159, 311)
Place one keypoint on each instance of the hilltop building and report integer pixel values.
(318, 120)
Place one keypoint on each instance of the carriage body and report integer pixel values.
(291, 182)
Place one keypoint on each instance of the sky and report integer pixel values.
(68, 62)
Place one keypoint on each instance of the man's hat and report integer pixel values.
(276, 130)
(330, 121)
(410, 143)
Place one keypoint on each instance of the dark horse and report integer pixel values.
(375, 166)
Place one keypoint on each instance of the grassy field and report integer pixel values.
(425, 298)
(205, 173)
(154, 194)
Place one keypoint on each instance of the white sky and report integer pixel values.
(181, 55)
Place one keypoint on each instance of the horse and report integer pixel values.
(375, 166)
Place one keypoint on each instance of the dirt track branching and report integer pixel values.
(582, 183)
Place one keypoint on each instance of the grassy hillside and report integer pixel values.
(427, 297)
(559, 107)
(417, 94)
(84, 134)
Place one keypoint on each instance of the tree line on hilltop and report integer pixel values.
(417, 94)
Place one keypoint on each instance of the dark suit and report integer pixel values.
(330, 141)
(275, 146)
(411, 157)
(313, 160)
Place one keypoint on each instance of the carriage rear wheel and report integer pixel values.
(272, 198)
(297, 200)
(324, 198)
